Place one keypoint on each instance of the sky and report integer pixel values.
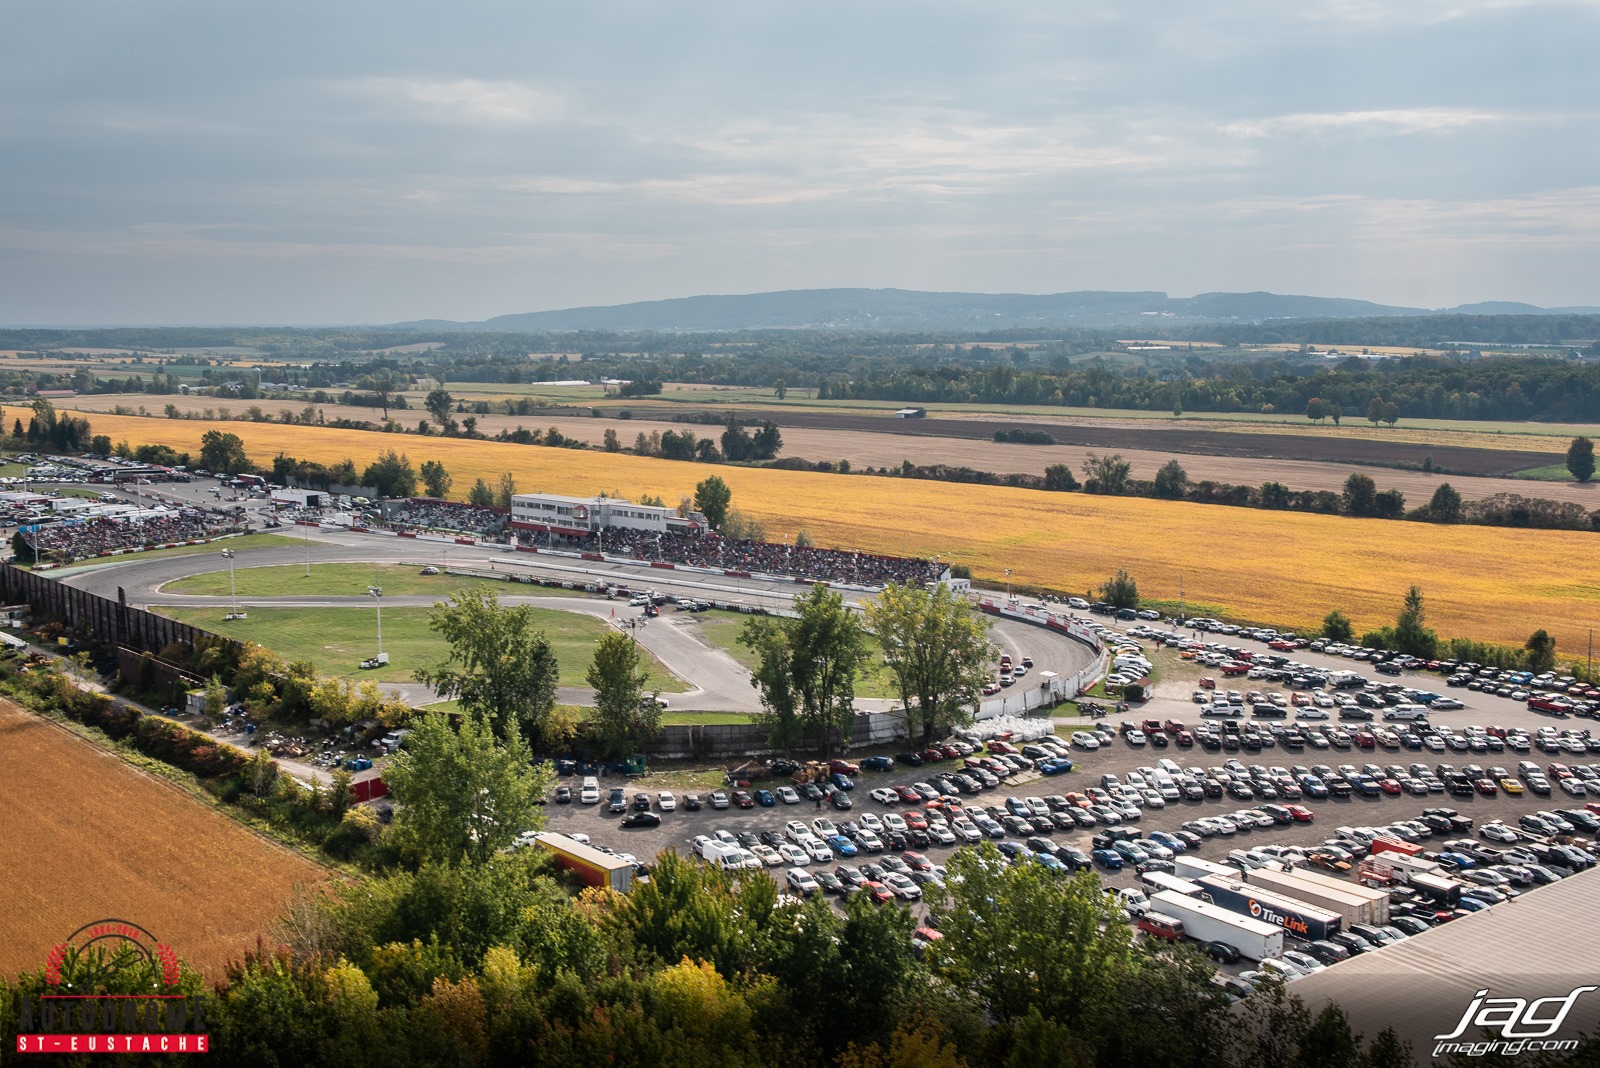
(371, 161)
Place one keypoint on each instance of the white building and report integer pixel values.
(543, 512)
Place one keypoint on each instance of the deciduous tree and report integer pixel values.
(712, 498)
(621, 721)
(435, 479)
(500, 666)
(1580, 459)
(938, 647)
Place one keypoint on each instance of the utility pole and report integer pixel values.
(233, 589)
(377, 595)
(307, 531)
(1008, 584)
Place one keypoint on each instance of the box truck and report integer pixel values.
(1299, 919)
(1355, 904)
(1212, 923)
(590, 865)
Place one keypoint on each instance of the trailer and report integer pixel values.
(1385, 844)
(1356, 904)
(1157, 881)
(1206, 922)
(1186, 867)
(1399, 867)
(588, 863)
(1446, 893)
(1297, 918)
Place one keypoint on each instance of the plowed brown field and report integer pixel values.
(85, 836)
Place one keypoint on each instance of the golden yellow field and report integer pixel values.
(1489, 583)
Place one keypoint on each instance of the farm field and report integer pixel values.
(90, 837)
(336, 640)
(1494, 584)
(869, 441)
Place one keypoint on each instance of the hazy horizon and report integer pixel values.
(175, 162)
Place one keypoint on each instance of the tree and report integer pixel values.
(481, 494)
(505, 490)
(500, 667)
(711, 498)
(1389, 504)
(100, 445)
(1335, 412)
(1410, 634)
(938, 647)
(1171, 481)
(435, 479)
(1580, 459)
(611, 441)
(1329, 1042)
(1336, 627)
(1274, 495)
(1360, 495)
(1375, 410)
(223, 452)
(1059, 477)
(618, 677)
(439, 404)
(216, 698)
(740, 527)
(1106, 474)
(780, 389)
(1445, 507)
(463, 794)
(1317, 409)
(802, 538)
(808, 665)
(381, 384)
(1391, 413)
(1120, 590)
(1541, 650)
(391, 475)
(767, 442)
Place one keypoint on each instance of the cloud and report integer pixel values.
(1390, 120)
(472, 99)
(1381, 12)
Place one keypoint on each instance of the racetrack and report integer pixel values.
(716, 681)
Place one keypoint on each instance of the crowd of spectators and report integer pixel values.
(427, 514)
(76, 539)
(801, 561)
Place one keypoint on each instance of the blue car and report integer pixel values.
(1108, 858)
(1171, 841)
(1055, 766)
(877, 763)
(843, 846)
(1048, 861)
(842, 781)
(765, 798)
(1460, 861)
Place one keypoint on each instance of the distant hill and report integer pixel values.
(902, 310)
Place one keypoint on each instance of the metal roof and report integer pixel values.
(1542, 944)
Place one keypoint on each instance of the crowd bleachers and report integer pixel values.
(809, 562)
(75, 540)
(422, 513)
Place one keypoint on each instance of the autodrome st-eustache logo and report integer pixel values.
(111, 987)
(1523, 1026)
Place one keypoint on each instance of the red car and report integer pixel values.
(916, 821)
(1301, 814)
(1365, 739)
(908, 795)
(1006, 748)
(1389, 786)
(743, 799)
(1486, 787)
(951, 752)
(917, 861)
(1208, 683)
(1175, 726)
(877, 891)
(932, 756)
(844, 766)
(1184, 739)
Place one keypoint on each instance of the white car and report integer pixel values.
(818, 849)
(801, 882)
(795, 831)
(1499, 832)
(885, 796)
(1085, 740)
(902, 886)
(666, 801)
(823, 827)
(793, 855)
(941, 834)
(870, 821)
(1135, 738)
(869, 842)
(1573, 788)
(767, 855)
(965, 829)
(787, 795)
(1311, 713)
(892, 821)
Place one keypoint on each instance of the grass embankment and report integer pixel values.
(1488, 583)
(336, 640)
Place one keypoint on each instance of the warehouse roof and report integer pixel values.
(1540, 945)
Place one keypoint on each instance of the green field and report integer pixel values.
(720, 630)
(336, 640)
(238, 544)
(342, 580)
(1552, 473)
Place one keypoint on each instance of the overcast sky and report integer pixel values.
(365, 161)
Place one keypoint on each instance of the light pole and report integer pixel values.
(1008, 584)
(377, 595)
(306, 530)
(233, 589)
